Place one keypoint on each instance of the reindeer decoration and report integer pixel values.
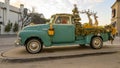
(95, 18)
(88, 14)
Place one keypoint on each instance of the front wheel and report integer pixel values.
(34, 46)
(96, 43)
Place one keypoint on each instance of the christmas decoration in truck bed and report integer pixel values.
(90, 27)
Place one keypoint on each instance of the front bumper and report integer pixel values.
(17, 42)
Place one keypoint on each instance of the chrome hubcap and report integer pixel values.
(34, 46)
(97, 43)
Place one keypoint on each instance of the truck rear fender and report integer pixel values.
(90, 37)
(96, 36)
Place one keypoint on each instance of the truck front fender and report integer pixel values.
(43, 35)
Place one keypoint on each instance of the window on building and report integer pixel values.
(0, 22)
(113, 13)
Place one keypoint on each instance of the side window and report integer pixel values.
(58, 20)
(62, 20)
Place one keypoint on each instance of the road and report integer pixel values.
(7, 41)
(111, 60)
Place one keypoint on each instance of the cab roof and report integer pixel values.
(62, 14)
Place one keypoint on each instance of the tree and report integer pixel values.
(8, 27)
(32, 17)
(15, 27)
(37, 18)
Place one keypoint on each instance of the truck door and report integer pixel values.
(64, 32)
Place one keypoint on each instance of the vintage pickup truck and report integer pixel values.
(59, 31)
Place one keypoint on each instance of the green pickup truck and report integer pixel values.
(59, 31)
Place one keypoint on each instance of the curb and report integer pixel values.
(24, 60)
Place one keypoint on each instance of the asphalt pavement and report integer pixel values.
(7, 42)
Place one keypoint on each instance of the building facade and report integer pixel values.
(10, 14)
(115, 21)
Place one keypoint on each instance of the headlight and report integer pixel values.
(17, 42)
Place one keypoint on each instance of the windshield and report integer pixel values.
(52, 18)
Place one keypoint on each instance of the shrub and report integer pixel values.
(15, 27)
(8, 27)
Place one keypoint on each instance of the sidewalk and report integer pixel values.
(20, 55)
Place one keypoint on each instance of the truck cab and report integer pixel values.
(63, 28)
(59, 31)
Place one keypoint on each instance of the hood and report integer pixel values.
(36, 27)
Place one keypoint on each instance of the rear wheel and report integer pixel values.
(34, 46)
(96, 43)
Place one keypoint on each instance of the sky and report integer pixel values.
(50, 7)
